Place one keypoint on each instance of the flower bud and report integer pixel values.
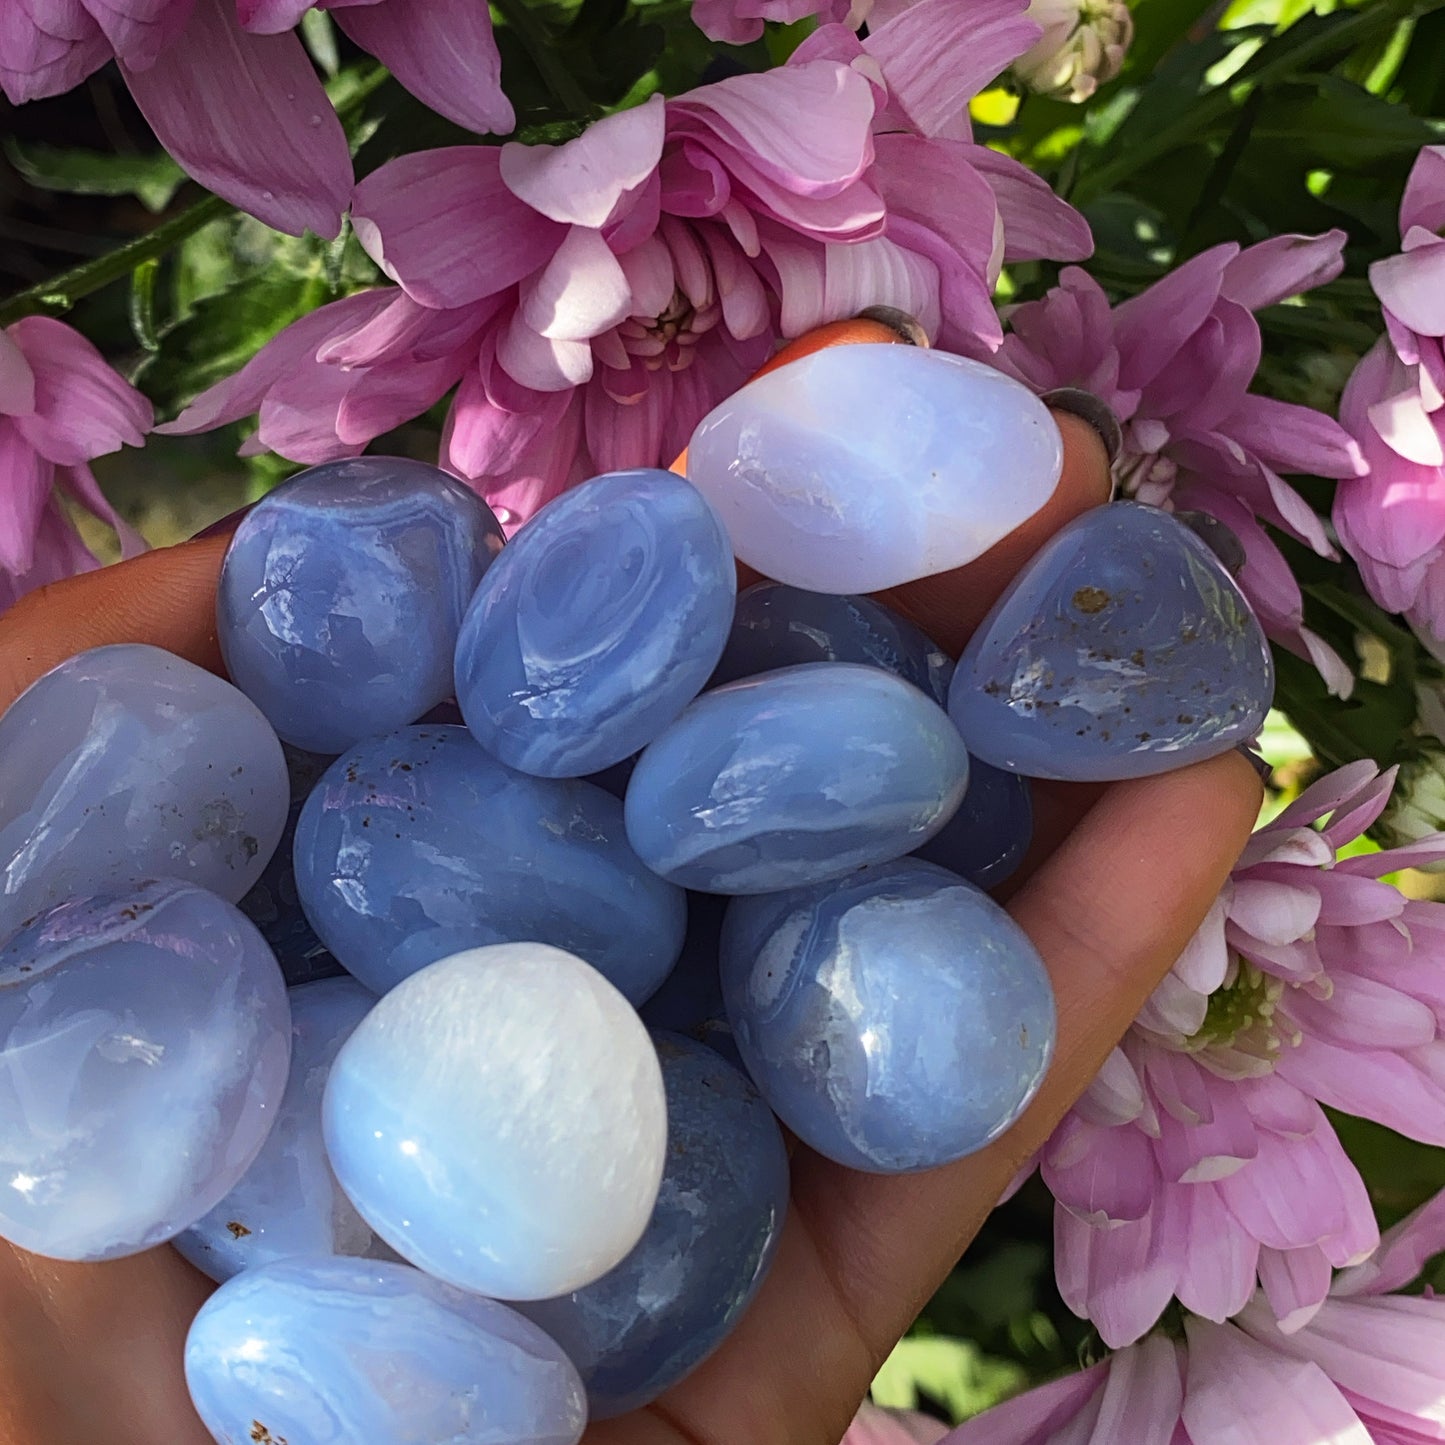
(1417, 806)
(1083, 45)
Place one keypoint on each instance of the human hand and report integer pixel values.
(1120, 879)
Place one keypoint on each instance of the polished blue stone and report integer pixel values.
(1122, 649)
(273, 904)
(342, 593)
(288, 1201)
(126, 763)
(858, 468)
(690, 1000)
(600, 622)
(419, 844)
(794, 777)
(316, 1351)
(986, 840)
(776, 626)
(499, 1119)
(144, 1043)
(895, 1020)
(649, 1322)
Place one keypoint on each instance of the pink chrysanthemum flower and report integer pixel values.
(1176, 363)
(1392, 522)
(61, 406)
(736, 22)
(1364, 1371)
(231, 94)
(1200, 1160)
(596, 299)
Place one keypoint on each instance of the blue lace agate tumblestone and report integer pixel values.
(346, 1351)
(859, 468)
(274, 906)
(342, 592)
(144, 1042)
(1122, 649)
(776, 626)
(895, 1020)
(126, 763)
(599, 623)
(640, 1328)
(288, 1201)
(418, 845)
(985, 841)
(793, 777)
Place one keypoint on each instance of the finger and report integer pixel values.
(861, 1254)
(166, 598)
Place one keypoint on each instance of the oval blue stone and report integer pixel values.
(317, 1351)
(895, 1020)
(1122, 649)
(600, 622)
(656, 1316)
(144, 1045)
(419, 845)
(342, 593)
(776, 626)
(986, 840)
(126, 763)
(794, 777)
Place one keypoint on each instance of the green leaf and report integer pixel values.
(152, 179)
(954, 1373)
(1330, 121)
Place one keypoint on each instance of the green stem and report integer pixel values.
(1221, 101)
(58, 294)
(555, 76)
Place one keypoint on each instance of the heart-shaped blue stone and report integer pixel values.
(1123, 649)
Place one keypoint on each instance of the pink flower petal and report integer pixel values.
(1150, 329)
(1106, 1176)
(24, 495)
(1212, 1149)
(580, 182)
(1405, 1249)
(1296, 438)
(17, 381)
(1205, 960)
(1267, 273)
(1412, 286)
(443, 51)
(1406, 426)
(1362, 1013)
(1114, 1096)
(1295, 1282)
(1274, 912)
(381, 398)
(1331, 792)
(1240, 1392)
(1038, 224)
(873, 1426)
(445, 226)
(247, 117)
(80, 483)
(933, 82)
(580, 292)
(82, 408)
(1174, 1009)
(1141, 1398)
(271, 17)
(1033, 1417)
(1120, 1278)
(1375, 1084)
(138, 30)
(1217, 1274)
(620, 437)
(291, 351)
(59, 553)
(1423, 203)
(36, 62)
(540, 362)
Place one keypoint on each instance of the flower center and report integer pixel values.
(668, 338)
(1243, 1034)
(1146, 476)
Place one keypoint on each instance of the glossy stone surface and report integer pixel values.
(499, 1120)
(690, 1001)
(345, 1352)
(1122, 649)
(144, 1042)
(776, 626)
(794, 777)
(274, 906)
(288, 1202)
(127, 763)
(418, 845)
(645, 1325)
(895, 1020)
(985, 841)
(863, 467)
(600, 622)
(342, 593)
